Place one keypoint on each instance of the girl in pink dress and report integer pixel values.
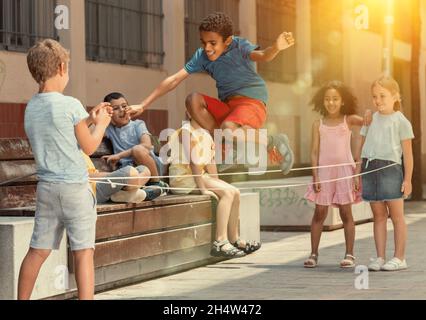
(331, 145)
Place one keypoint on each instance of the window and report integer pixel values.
(274, 17)
(24, 22)
(327, 48)
(197, 10)
(125, 32)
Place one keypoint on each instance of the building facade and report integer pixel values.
(131, 46)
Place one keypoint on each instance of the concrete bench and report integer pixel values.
(134, 242)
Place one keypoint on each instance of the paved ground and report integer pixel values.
(276, 271)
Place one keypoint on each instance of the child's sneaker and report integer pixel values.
(164, 187)
(395, 264)
(280, 152)
(376, 264)
(152, 193)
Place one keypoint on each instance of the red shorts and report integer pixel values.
(243, 111)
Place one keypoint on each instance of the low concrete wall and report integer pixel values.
(286, 208)
(55, 281)
(15, 236)
(250, 217)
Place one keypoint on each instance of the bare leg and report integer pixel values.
(197, 108)
(318, 219)
(380, 213)
(396, 210)
(349, 227)
(143, 179)
(226, 198)
(84, 273)
(30, 268)
(142, 156)
(234, 218)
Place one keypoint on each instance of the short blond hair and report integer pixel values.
(44, 59)
(390, 84)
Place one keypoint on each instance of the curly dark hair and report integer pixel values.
(218, 22)
(350, 102)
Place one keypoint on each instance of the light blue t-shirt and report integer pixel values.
(126, 137)
(384, 136)
(50, 119)
(234, 71)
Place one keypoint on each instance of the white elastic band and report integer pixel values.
(228, 174)
(264, 187)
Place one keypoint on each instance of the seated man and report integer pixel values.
(115, 190)
(131, 141)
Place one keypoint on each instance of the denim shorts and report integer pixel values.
(104, 191)
(382, 185)
(64, 206)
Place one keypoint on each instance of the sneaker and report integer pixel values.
(152, 193)
(394, 264)
(159, 184)
(133, 196)
(280, 153)
(376, 264)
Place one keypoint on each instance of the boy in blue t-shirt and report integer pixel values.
(57, 127)
(243, 95)
(131, 141)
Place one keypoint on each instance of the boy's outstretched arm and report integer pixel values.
(284, 41)
(164, 87)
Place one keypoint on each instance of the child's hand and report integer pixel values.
(101, 114)
(112, 160)
(368, 117)
(356, 184)
(135, 110)
(95, 111)
(285, 40)
(210, 193)
(316, 185)
(406, 188)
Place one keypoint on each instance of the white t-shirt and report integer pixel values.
(384, 136)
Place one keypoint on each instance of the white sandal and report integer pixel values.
(348, 261)
(311, 262)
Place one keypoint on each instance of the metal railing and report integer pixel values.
(24, 22)
(125, 32)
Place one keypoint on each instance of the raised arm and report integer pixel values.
(284, 41)
(88, 140)
(164, 87)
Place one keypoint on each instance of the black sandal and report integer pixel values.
(218, 250)
(250, 247)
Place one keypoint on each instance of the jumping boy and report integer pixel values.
(56, 126)
(243, 95)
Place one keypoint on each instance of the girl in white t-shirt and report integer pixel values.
(386, 140)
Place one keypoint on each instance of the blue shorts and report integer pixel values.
(382, 185)
(104, 191)
(64, 206)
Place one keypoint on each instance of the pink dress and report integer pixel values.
(335, 148)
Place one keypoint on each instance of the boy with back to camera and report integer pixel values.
(57, 127)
